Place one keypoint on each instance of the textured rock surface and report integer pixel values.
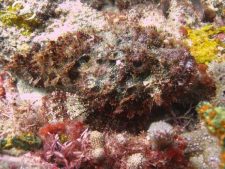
(203, 149)
(98, 59)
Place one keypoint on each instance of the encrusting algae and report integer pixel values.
(26, 22)
(26, 141)
(205, 43)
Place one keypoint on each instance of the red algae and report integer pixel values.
(117, 150)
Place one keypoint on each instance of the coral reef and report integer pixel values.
(133, 74)
(214, 119)
(112, 88)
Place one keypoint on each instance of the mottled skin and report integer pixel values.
(130, 77)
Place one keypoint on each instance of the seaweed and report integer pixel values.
(26, 141)
(25, 22)
(94, 149)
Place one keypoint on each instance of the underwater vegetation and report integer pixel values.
(70, 144)
(83, 148)
(25, 21)
(26, 141)
(214, 118)
(18, 116)
(135, 73)
(205, 43)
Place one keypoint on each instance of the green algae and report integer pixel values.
(214, 118)
(27, 141)
(10, 17)
(203, 44)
